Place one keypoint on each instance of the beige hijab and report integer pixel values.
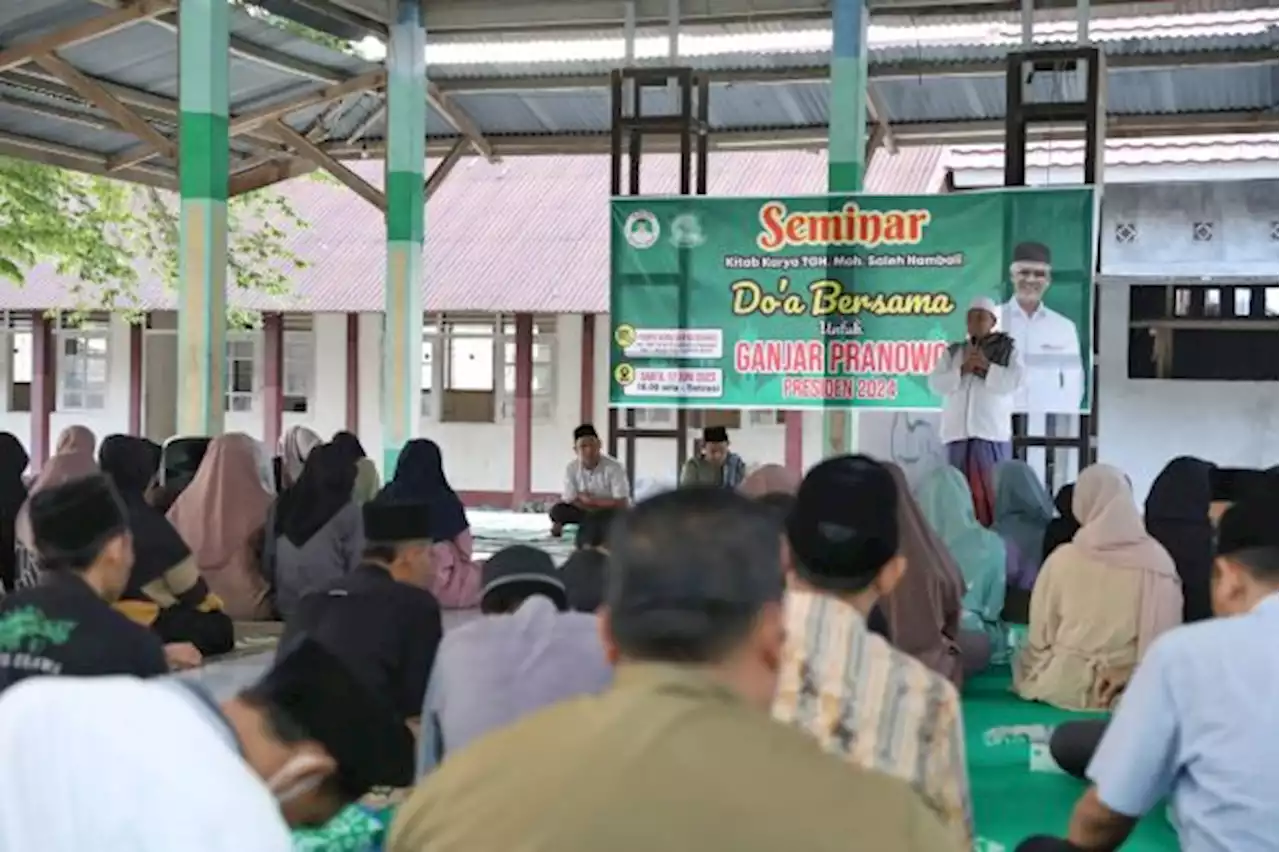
(219, 515)
(770, 479)
(1113, 533)
(72, 459)
(924, 610)
(295, 445)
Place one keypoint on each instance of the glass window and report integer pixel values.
(241, 355)
(469, 353)
(82, 370)
(298, 368)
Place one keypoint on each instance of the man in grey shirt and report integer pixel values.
(525, 652)
(592, 482)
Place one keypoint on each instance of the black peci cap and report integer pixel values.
(358, 727)
(389, 521)
(844, 525)
(77, 517)
(1250, 524)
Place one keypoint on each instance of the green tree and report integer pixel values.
(92, 230)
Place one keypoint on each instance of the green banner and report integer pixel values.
(844, 301)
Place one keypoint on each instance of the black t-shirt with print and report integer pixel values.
(62, 627)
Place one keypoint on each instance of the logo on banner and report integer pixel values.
(641, 229)
(686, 231)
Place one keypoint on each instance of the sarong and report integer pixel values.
(977, 459)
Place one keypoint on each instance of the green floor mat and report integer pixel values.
(1011, 801)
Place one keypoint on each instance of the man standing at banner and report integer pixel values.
(1050, 342)
(977, 379)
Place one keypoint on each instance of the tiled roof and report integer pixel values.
(1263, 147)
(528, 234)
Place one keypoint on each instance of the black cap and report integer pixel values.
(586, 430)
(76, 518)
(844, 526)
(358, 727)
(1250, 524)
(1239, 483)
(1035, 252)
(715, 435)
(389, 521)
(521, 563)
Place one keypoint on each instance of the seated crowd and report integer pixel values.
(750, 662)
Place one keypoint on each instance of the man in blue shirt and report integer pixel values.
(1197, 721)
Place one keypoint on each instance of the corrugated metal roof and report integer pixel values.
(1259, 148)
(527, 234)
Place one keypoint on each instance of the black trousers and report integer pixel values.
(567, 513)
(1073, 743)
(1043, 843)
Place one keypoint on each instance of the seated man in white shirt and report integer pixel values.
(977, 379)
(1197, 720)
(592, 482)
(1050, 343)
(119, 763)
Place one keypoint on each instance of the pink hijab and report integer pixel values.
(219, 515)
(1112, 532)
(770, 479)
(72, 459)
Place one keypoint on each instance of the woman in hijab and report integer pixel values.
(1099, 602)
(419, 477)
(1023, 510)
(72, 459)
(296, 444)
(165, 591)
(318, 529)
(180, 458)
(367, 480)
(947, 505)
(221, 516)
(13, 493)
(1177, 516)
(923, 610)
(1062, 528)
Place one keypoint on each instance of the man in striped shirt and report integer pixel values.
(849, 688)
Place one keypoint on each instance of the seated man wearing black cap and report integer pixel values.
(860, 697)
(380, 619)
(184, 774)
(1197, 722)
(592, 481)
(714, 466)
(526, 652)
(680, 753)
(66, 625)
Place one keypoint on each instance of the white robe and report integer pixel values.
(118, 764)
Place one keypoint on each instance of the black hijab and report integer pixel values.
(420, 478)
(131, 463)
(350, 446)
(1064, 527)
(323, 490)
(1177, 516)
(13, 493)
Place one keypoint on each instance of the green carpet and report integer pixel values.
(1011, 801)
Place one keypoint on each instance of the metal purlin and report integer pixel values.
(630, 126)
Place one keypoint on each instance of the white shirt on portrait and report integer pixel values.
(118, 764)
(1050, 346)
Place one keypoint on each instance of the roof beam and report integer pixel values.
(876, 110)
(444, 167)
(251, 120)
(78, 160)
(105, 101)
(308, 150)
(265, 174)
(118, 19)
(363, 127)
(458, 118)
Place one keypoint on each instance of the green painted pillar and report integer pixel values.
(846, 158)
(406, 225)
(203, 54)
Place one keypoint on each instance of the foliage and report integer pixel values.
(294, 28)
(93, 231)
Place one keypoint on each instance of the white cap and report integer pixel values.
(985, 303)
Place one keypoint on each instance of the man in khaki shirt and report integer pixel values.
(680, 754)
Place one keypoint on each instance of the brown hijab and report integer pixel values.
(770, 479)
(219, 516)
(72, 459)
(924, 610)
